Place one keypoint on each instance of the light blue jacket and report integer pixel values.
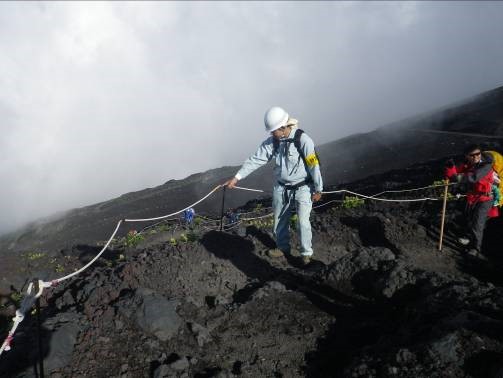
(289, 168)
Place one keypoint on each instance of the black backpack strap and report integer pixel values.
(296, 142)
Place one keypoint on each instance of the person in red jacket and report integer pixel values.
(477, 172)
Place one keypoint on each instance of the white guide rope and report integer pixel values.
(250, 190)
(26, 305)
(261, 217)
(30, 298)
(177, 212)
(363, 196)
(53, 282)
(384, 199)
(326, 203)
(414, 189)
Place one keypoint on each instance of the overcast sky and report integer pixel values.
(100, 99)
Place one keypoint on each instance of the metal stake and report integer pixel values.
(39, 332)
(222, 212)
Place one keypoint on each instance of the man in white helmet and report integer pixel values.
(298, 179)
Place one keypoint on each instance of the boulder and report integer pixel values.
(157, 315)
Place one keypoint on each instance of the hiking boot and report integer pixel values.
(275, 253)
(476, 254)
(305, 260)
(463, 241)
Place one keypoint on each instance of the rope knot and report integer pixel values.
(19, 317)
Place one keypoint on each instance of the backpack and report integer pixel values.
(481, 190)
(484, 187)
(498, 168)
(296, 141)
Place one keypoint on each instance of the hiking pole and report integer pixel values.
(39, 333)
(222, 212)
(446, 188)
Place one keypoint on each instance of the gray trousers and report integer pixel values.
(282, 206)
(477, 218)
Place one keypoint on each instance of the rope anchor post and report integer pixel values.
(37, 287)
(444, 206)
(222, 212)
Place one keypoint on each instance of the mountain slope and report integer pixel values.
(379, 300)
(391, 147)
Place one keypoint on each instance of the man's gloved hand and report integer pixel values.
(316, 197)
(450, 172)
(450, 169)
(231, 183)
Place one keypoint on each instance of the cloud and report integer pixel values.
(101, 98)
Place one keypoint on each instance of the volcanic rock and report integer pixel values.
(157, 315)
(381, 300)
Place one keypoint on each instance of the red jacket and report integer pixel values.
(479, 177)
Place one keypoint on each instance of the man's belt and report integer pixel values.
(296, 186)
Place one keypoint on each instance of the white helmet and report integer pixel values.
(275, 118)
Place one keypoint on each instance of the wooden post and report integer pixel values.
(446, 188)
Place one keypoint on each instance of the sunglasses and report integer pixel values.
(474, 154)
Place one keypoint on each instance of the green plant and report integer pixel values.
(260, 223)
(197, 221)
(192, 237)
(352, 202)
(35, 255)
(173, 242)
(59, 268)
(133, 238)
(438, 183)
(440, 190)
(163, 227)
